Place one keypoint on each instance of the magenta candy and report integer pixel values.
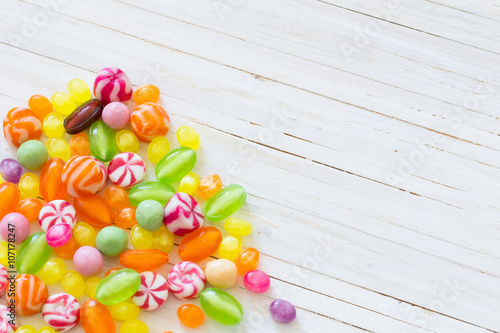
(56, 212)
(19, 225)
(83, 116)
(183, 214)
(116, 115)
(282, 311)
(257, 281)
(58, 235)
(186, 280)
(112, 85)
(11, 170)
(88, 261)
(126, 169)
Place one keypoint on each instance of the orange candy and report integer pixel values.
(30, 208)
(21, 125)
(146, 93)
(148, 121)
(143, 260)
(116, 197)
(96, 318)
(79, 145)
(94, 210)
(200, 244)
(209, 186)
(9, 197)
(190, 315)
(84, 175)
(41, 106)
(67, 251)
(51, 185)
(125, 218)
(30, 294)
(247, 260)
(112, 270)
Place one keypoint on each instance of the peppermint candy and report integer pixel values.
(6, 320)
(3, 279)
(112, 85)
(186, 280)
(61, 312)
(152, 293)
(56, 212)
(126, 169)
(183, 214)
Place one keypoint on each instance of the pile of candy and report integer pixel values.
(67, 191)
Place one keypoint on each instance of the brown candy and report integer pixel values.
(83, 116)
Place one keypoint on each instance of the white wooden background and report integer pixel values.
(366, 134)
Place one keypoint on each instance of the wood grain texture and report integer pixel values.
(366, 134)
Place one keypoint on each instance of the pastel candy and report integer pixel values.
(61, 312)
(30, 294)
(112, 85)
(83, 175)
(126, 169)
(6, 320)
(186, 280)
(56, 212)
(152, 293)
(183, 214)
(3, 279)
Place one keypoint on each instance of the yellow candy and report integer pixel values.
(53, 125)
(4, 254)
(238, 227)
(124, 311)
(127, 141)
(79, 91)
(134, 326)
(46, 329)
(189, 183)
(58, 147)
(163, 239)
(141, 239)
(230, 247)
(188, 137)
(73, 283)
(84, 234)
(29, 186)
(53, 271)
(63, 103)
(158, 148)
(91, 285)
(25, 329)
(1, 180)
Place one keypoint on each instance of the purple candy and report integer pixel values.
(11, 170)
(282, 311)
(257, 281)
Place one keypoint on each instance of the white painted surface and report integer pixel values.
(366, 133)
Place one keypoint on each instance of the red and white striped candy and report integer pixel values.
(56, 212)
(5, 318)
(3, 279)
(183, 214)
(61, 312)
(112, 85)
(152, 293)
(126, 169)
(186, 280)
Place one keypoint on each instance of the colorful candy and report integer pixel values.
(221, 273)
(124, 311)
(102, 141)
(29, 185)
(58, 148)
(183, 214)
(125, 218)
(152, 293)
(238, 226)
(163, 239)
(83, 116)
(63, 103)
(144, 259)
(67, 251)
(247, 260)
(190, 315)
(59, 234)
(141, 239)
(61, 312)
(7, 320)
(225, 202)
(14, 228)
(33, 254)
(3, 279)
(29, 294)
(148, 121)
(96, 318)
(88, 261)
(126, 141)
(26, 329)
(116, 197)
(53, 125)
(158, 148)
(257, 281)
(7, 254)
(230, 247)
(188, 137)
(94, 210)
(32, 154)
(53, 271)
(175, 165)
(126, 169)
(40, 105)
(79, 145)
(186, 280)
(209, 185)
(189, 183)
(111, 241)
(146, 93)
(118, 286)
(46, 329)
(150, 190)
(9, 197)
(84, 234)
(200, 244)
(149, 215)
(73, 283)
(11, 170)
(134, 326)
(282, 311)
(56, 212)
(112, 85)
(51, 184)
(91, 286)
(30, 208)
(21, 125)
(79, 91)
(221, 306)
(116, 115)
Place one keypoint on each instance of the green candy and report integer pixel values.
(33, 254)
(102, 141)
(118, 286)
(149, 215)
(225, 202)
(32, 154)
(221, 306)
(111, 241)
(175, 165)
(150, 190)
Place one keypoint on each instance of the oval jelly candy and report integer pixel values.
(175, 165)
(225, 202)
(102, 141)
(150, 190)
(83, 116)
(221, 306)
(96, 318)
(33, 254)
(118, 286)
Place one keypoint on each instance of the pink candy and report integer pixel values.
(6, 320)
(152, 293)
(56, 212)
(116, 115)
(18, 225)
(126, 169)
(88, 261)
(256, 281)
(61, 312)
(183, 214)
(59, 234)
(186, 280)
(3, 279)
(112, 85)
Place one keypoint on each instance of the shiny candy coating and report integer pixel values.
(32, 155)
(26, 329)
(91, 286)
(58, 148)
(208, 186)
(163, 240)
(53, 271)
(40, 105)
(56, 212)
(247, 260)
(126, 141)
(124, 311)
(200, 244)
(9, 197)
(188, 137)
(29, 296)
(14, 228)
(189, 183)
(134, 326)
(102, 141)
(143, 259)
(111, 241)
(116, 197)
(257, 281)
(238, 226)
(73, 283)
(46, 329)
(67, 251)
(11, 170)
(88, 261)
(30, 208)
(118, 286)
(230, 247)
(4, 253)
(183, 214)
(126, 169)
(186, 280)
(33, 254)
(84, 175)
(96, 318)
(59, 234)
(79, 145)
(94, 210)
(158, 148)
(141, 239)
(112, 85)
(29, 186)
(150, 190)
(84, 234)
(79, 91)
(3, 279)
(221, 273)
(6, 320)
(175, 165)
(83, 116)
(21, 125)
(282, 311)
(146, 93)
(149, 215)
(190, 315)
(125, 218)
(53, 125)
(63, 103)
(116, 115)
(225, 202)
(152, 293)
(61, 312)
(148, 121)
(221, 306)
(51, 184)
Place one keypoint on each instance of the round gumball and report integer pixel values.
(7, 322)
(152, 293)
(257, 281)
(221, 273)
(30, 294)
(111, 241)
(21, 125)
(56, 212)
(148, 121)
(14, 228)
(83, 175)
(3, 279)
(186, 280)
(32, 155)
(126, 169)
(282, 311)
(149, 215)
(11, 170)
(112, 85)
(116, 115)
(146, 93)
(61, 312)
(59, 234)
(183, 214)
(88, 261)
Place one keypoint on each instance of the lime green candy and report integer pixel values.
(175, 165)
(102, 141)
(32, 154)
(149, 215)
(111, 241)
(150, 190)
(225, 202)
(221, 306)
(33, 254)
(118, 286)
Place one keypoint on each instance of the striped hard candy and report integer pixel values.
(6, 320)
(148, 121)
(83, 175)
(56, 212)
(61, 312)
(31, 293)
(3, 279)
(112, 85)
(21, 125)
(186, 280)
(152, 293)
(126, 169)
(183, 214)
